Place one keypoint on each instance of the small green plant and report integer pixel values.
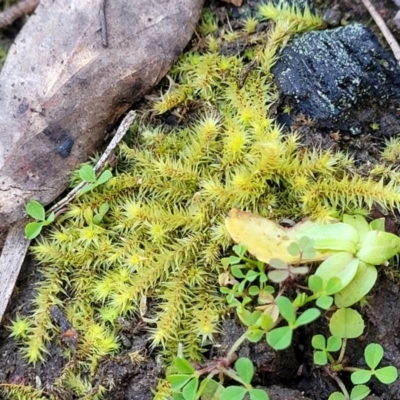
(37, 211)
(186, 383)
(88, 175)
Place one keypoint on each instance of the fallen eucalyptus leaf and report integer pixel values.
(264, 238)
(62, 90)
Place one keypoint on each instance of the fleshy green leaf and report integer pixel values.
(258, 394)
(234, 393)
(320, 358)
(183, 366)
(35, 210)
(340, 236)
(104, 177)
(360, 286)
(324, 302)
(87, 174)
(308, 316)
(373, 355)
(278, 276)
(387, 375)
(280, 338)
(245, 369)
(346, 323)
(286, 309)
(254, 335)
(210, 389)
(334, 343)
(33, 229)
(333, 285)
(378, 247)
(318, 342)
(50, 219)
(190, 389)
(278, 264)
(340, 265)
(358, 222)
(178, 381)
(315, 283)
(361, 376)
(378, 224)
(359, 392)
(337, 396)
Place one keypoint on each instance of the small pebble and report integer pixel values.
(332, 17)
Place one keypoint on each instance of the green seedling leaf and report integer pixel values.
(373, 355)
(286, 309)
(234, 393)
(178, 381)
(97, 219)
(359, 287)
(315, 283)
(87, 174)
(234, 260)
(337, 396)
(240, 250)
(237, 271)
(258, 394)
(346, 323)
(334, 343)
(361, 376)
(278, 276)
(378, 247)
(300, 300)
(280, 338)
(190, 389)
(340, 265)
(87, 188)
(334, 285)
(265, 322)
(254, 335)
(245, 369)
(183, 366)
(35, 210)
(358, 222)
(251, 275)
(340, 237)
(33, 229)
(50, 219)
(104, 177)
(320, 358)
(104, 208)
(210, 389)
(377, 225)
(324, 302)
(278, 264)
(254, 290)
(294, 249)
(318, 342)
(307, 317)
(386, 375)
(359, 392)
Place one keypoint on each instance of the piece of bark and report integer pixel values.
(62, 89)
(7, 17)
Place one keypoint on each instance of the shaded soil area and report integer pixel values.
(287, 375)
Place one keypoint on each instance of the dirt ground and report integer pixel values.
(288, 375)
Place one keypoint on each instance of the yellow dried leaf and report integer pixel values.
(265, 239)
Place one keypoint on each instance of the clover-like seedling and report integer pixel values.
(373, 354)
(283, 271)
(88, 175)
(323, 291)
(324, 347)
(358, 392)
(37, 211)
(281, 338)
(245, 371)
(185, 382)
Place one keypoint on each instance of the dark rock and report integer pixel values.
(331, 76)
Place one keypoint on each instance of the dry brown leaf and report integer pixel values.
(62, 90)
(264, 238)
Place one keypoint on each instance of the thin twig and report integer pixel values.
(121, 131)
(20, 9)
(384, 29)
(103, 23)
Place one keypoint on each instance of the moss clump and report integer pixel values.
(164, 233)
